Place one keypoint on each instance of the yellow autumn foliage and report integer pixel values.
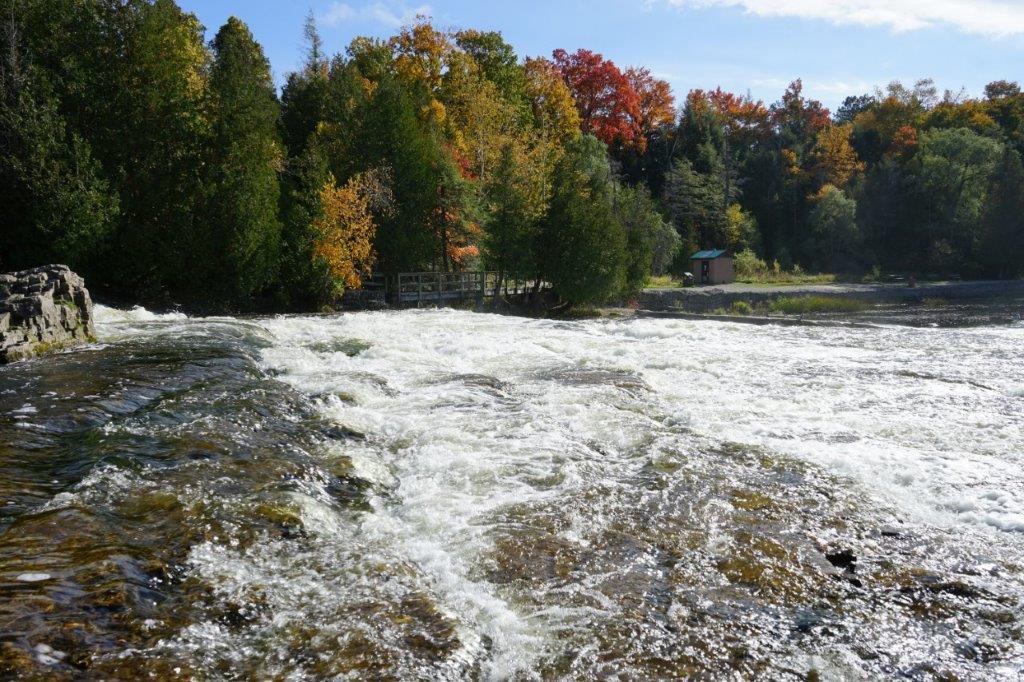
(344, 232)
(834, 158)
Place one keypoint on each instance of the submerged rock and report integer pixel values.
(41, 310)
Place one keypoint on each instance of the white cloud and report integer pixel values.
(997, 18)
(337, 13)
(387, 13)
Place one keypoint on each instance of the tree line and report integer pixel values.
(167, 168)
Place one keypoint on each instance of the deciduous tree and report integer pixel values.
(554, 110)
(834, 160)
(608, 105)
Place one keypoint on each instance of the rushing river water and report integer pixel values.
(449, 495)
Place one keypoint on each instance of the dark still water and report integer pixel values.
(447, 495)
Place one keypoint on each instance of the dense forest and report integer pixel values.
(170, 169)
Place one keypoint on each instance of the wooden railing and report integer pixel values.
(439, 288)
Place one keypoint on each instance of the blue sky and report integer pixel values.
(838, 47)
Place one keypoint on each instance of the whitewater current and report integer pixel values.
(443, 494)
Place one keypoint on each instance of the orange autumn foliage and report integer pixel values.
(746, 120)
(657, 105)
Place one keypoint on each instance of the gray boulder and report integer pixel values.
(42, 310)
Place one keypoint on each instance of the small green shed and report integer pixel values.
(713, 266)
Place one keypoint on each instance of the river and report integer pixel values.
(448, 495)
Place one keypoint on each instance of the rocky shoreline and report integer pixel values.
(708, 299)
(42, 310)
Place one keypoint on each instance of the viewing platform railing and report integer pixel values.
(440, 288)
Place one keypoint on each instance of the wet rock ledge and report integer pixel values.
(41, 310)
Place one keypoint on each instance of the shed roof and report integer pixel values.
(710, 254)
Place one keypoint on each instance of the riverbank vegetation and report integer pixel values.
(803, 305)
(794, 305)
(168, 168)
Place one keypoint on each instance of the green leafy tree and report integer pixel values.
(741, 230)
(1002, 243)
(835, 237)
(243, 231)
(651, 243)
(499, 64)
(955, 168)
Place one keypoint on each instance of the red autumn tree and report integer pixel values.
(609, 106)
(657, 105)
(746, 120)
(799, 116)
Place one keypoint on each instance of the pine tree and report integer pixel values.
(304, 99)
(695, 201)
(242, 230)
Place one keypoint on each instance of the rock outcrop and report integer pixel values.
(41, 310)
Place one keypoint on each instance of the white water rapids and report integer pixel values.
(929, 421)
(576, 499)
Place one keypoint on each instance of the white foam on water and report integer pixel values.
(468, 411)
(47, 655)
(105, 315)
(849, 400)
(33, 577)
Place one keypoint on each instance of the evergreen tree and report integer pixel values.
(695, 203)
(303, 280)
(582, 246)
(517, 201)
(57, 205)
(647, 236)
(391, 136)
(157, 161)
(242, 228)
(304, 99)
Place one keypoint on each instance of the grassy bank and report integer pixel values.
(803, 305)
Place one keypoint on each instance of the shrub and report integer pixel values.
(741, 308)
(748, 265)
